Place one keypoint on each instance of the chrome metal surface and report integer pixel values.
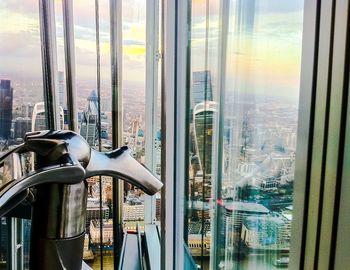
(59, 210)
(120, 164)
(65, 173)
(76, 145)
(63, 161)
(62, 157)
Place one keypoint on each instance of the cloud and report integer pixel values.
(28, 7)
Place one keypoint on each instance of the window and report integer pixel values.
(244, 69)
(21, 91)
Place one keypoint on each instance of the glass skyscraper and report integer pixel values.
(89, 128)
(6, 101)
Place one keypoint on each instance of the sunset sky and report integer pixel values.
(266, 59)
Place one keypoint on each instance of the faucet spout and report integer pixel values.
(120, 164)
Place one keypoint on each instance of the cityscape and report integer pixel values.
(240, 161)
(21, 113)
(254, 205)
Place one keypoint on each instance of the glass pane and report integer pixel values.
(21, 92)
(61, 77)
(242, 132)
(202, 111)
(95, 125)
(4, 243)
(133, 87)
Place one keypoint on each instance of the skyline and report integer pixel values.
(263, 70)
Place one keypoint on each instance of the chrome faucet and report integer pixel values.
(57, 191)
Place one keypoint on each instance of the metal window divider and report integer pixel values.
(174, 44)
(152, 62)
(115, 7)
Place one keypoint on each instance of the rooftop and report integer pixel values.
(246, 207)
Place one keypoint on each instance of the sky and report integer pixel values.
(263, 47)
(262, 56)
(20, 37)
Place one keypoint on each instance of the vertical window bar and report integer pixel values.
(98, 86)
(16, 258)
(49, 60)
(167, 126)
(69, 47)
(152, 30)
(305, 131)
(181, 111)
(115, 7)
(335, 139)
(10, 232)
(219, 126)
(342, 252)
(174, 43)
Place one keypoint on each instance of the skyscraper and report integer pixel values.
(89, 122)
(22, 125)
(38, 117)
(61, 92)
(203, 118)
(6, 100)
(203, 110)
(202, 88)
(245, 15)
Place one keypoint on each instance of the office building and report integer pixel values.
(203, 117)
(202, 87)
(107, 232)
(61, 90)
(6, 101)
(22, 126)
(89, 122)
(95, 212)
(133, 212)
(39, 118)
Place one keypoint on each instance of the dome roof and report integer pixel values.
(93, 96)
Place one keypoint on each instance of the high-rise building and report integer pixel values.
(202, 87)
(38, 117)
(245, 15)
(89, 122)
(24, 110)
(203, 117)
(93, 211)
(6, 100)
(22, 125)
(61, 92)
(107, 232)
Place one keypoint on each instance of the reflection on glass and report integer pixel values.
(133, 89)
(240, 188)
(95, 124)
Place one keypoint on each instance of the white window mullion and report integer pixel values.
(152, 61)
